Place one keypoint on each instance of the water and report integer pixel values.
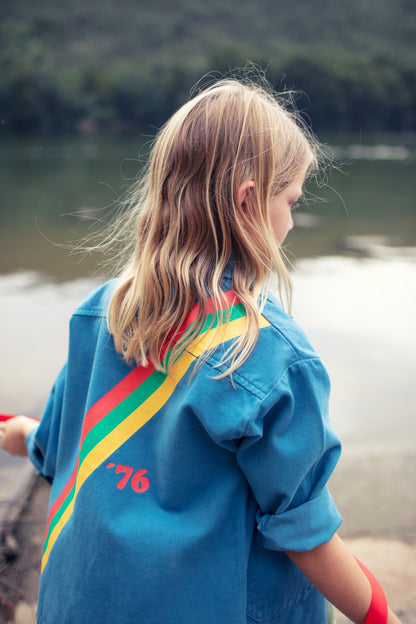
(47, 184)
(355, 295)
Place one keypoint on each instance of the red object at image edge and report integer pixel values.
(4, 417)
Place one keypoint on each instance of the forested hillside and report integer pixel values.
(125, 64)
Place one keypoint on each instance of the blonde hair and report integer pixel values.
(188, 224)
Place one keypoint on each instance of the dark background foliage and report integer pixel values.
(129, 64)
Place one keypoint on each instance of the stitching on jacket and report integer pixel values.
(299, 361)
(94, 312)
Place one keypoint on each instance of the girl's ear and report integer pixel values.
(244, 193)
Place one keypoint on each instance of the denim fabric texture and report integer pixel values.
(185, 518)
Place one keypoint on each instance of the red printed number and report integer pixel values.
(138, 482)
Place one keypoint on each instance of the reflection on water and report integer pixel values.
(34, 319)
(360, 315)
(374, 152)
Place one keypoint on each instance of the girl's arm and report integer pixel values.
(333, 570)
(14, 433)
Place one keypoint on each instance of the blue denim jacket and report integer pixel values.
(173, 500)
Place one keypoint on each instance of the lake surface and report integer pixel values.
(47, 184)
(355, 295)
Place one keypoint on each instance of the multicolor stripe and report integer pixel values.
(120, 413)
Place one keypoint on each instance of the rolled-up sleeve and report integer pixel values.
(288, 454)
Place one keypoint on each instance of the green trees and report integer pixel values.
(129, 65)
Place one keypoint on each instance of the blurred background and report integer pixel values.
(84, 87)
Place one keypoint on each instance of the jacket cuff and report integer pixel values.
(301, 528)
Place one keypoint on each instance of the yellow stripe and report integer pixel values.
(118, 436)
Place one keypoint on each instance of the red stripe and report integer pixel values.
(139, 374)
(227, 299)
(100, 409)
(123, 389)
(115, 396)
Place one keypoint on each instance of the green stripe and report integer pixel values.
(133, 401)
(121, 412)
(58, 515)
(214, 319)
(104, 427)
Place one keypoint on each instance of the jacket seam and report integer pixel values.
(278, 381)
(279, 331)
(94, 312)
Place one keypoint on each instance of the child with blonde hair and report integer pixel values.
(187, 439)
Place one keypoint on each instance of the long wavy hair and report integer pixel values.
(187, 224)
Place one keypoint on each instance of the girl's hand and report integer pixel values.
(13, 434)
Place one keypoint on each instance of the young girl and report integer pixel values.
(187, 439)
